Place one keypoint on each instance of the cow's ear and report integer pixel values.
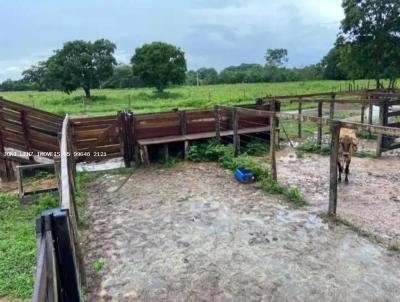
(354, 146)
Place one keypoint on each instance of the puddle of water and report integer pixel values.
(101, 166)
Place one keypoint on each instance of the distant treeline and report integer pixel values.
(367, 47)
(123, 77)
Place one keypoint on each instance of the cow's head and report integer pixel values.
(348, 145)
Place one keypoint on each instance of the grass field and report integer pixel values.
(109, 101)
(18, 244)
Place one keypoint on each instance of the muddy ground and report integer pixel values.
(371, 199)
(192, 233)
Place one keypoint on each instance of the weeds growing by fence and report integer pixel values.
(18, 244)
(366, 135)
(109, 101)
(82, 180)
(224, 155)
(98, 265)
(313, 147)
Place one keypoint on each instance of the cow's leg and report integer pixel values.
(347, 170)
(340, 171)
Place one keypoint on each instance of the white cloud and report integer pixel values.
(12, 69)
(247, 16)
(214, 33)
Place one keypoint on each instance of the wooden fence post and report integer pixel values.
(126, 136)
(332, 106)
(273, 142)
(6, 167)
(183, 125)
(217, 114)
(299, 122)
(335, 133)
(69, 263)
(319, 137)
(362, 113)
(383, 109)
(236, 138)
(370, 116)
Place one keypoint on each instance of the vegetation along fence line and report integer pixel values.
(60, 269)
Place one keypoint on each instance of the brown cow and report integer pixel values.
(347, 146)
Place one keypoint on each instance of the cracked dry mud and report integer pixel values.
(192, 233)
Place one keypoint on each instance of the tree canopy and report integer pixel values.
(159, 64)
(370, 39)
(277, 57)
(81, 64)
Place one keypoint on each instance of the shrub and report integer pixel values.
(223, 154)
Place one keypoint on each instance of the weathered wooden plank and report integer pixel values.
(236, 138)
(65, 185)
(217, 115)
(87, 121)
(393, 113)
(14, 145)
(196, 136)
(319, 134)
(67, 250)
(299, 129)
(272, 142)
(172, 123)
(332, 106)
(157, 117)
(36, 112)
(158, 132)
(304, 118)
(335, 133)
(382, 122)
(40, 287)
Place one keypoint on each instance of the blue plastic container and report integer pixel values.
(244, 175)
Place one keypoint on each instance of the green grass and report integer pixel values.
(18, 238)
(291, 128)
(313, 147)
(394, 248)
(98, 265)
(82, 180)
(223, 154)
(18, 244)
(109, 101)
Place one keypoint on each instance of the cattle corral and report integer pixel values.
(130, 136)
(212, 240)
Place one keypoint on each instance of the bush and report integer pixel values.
(313, 147)
(223, 154)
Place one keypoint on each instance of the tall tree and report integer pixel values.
(36, 75)
(158, 64)
(81, 64)
(370, 39)
(277, 57)
(330, 65)
(207, 76)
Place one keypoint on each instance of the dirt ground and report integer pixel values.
(371, 200)
(192, 233)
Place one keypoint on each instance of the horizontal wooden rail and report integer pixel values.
(392, 131)
(64, 179)
(338, 101)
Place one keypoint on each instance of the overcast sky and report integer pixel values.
(212, 33)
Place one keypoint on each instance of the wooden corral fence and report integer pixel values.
(129, 135)
(25, 129)
(95, 138)
(140, 131)
(335, 131)
(60, 272)
(384, 99)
